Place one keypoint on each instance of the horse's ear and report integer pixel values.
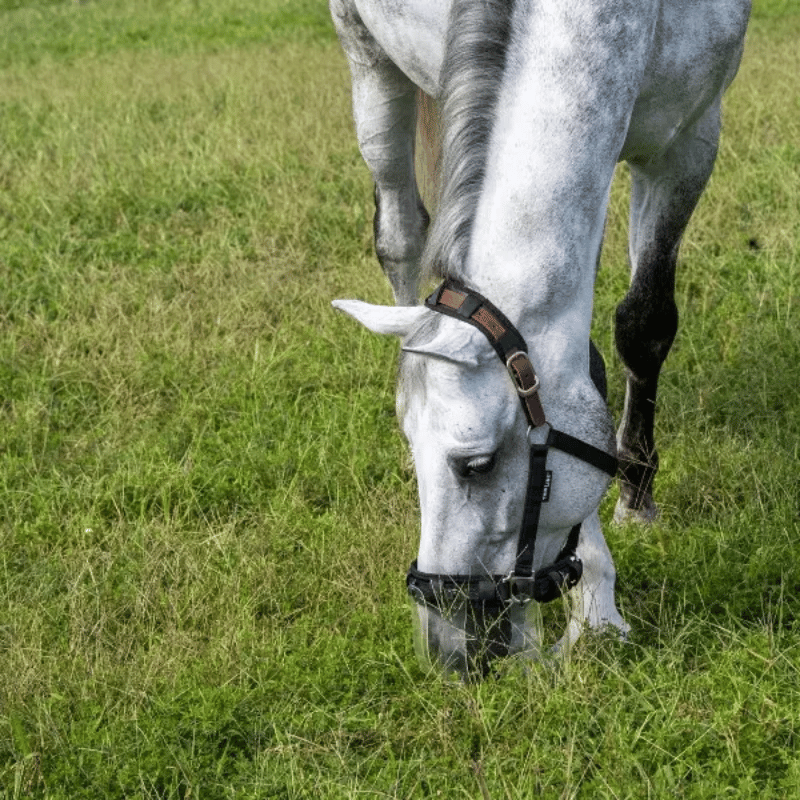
(451, 340)
(394, 320)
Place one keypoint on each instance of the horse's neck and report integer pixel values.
(539, 222)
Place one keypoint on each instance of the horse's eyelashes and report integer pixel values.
(480, 465)
(467, 466)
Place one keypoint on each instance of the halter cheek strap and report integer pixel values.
(523, 584)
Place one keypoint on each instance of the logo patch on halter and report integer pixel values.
(452, 298)
(548, 480)
(489, 322)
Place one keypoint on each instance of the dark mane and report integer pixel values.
(471, 74)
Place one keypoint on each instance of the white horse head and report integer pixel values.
(469, 437)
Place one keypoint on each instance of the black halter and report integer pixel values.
(522, 584)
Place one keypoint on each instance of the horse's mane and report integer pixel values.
(472, 71)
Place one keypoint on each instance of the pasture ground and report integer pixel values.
(206, 509)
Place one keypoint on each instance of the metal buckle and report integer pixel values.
(520, 390)
(520, 598)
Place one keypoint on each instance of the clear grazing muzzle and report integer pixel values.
(467, 637)
(465, 640)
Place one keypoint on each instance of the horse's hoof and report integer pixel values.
(646, 514)
(614, 629)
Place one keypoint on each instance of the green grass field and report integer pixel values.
(207, 510)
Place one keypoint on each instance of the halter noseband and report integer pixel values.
(522, 584)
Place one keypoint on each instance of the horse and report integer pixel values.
(539, 100)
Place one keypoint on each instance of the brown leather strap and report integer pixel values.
(521, 370)
(457, 301)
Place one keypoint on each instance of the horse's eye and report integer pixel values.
(481, 464)
(464, 467)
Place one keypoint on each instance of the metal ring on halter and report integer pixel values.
(531, 428)
(518, 598)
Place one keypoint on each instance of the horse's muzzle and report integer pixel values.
(467, 637)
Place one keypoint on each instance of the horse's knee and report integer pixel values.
(400, 224)
(399, 227)
(644, 332)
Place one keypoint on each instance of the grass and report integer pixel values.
(205, 506)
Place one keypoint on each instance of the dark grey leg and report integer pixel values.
(664, 194)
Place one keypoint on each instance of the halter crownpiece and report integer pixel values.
(522, 584)
(455, 300)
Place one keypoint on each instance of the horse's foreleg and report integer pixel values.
(664, 194)
(593, 603)
(384, 108)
